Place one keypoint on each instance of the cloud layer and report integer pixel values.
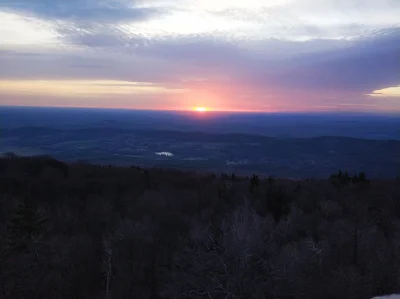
(291, 55)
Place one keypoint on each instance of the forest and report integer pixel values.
(79, 230)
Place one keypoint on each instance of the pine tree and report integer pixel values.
(254, 182)
(25, 224)
(233, 177)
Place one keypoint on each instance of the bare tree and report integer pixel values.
(107, 264)
(225, 262)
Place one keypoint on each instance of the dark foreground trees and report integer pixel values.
(84, 231)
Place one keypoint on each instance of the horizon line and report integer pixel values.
(211, 111)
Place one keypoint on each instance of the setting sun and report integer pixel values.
(200, 109)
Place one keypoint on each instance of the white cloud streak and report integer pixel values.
(20, 30)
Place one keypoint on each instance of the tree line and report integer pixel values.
(90, 231)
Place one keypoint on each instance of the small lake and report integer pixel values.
(166, 154)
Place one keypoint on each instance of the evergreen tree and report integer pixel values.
(254, 182)
(26, 223)
(233, 177)
(270, 181)
(278, 203)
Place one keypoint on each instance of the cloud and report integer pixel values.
(387, 92)
(20, 30)
(82, 11)
(83, 88)
(297, 20)
(359, 67)
(319, 65)
(69, 23)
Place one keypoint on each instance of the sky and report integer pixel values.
(233, 55)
